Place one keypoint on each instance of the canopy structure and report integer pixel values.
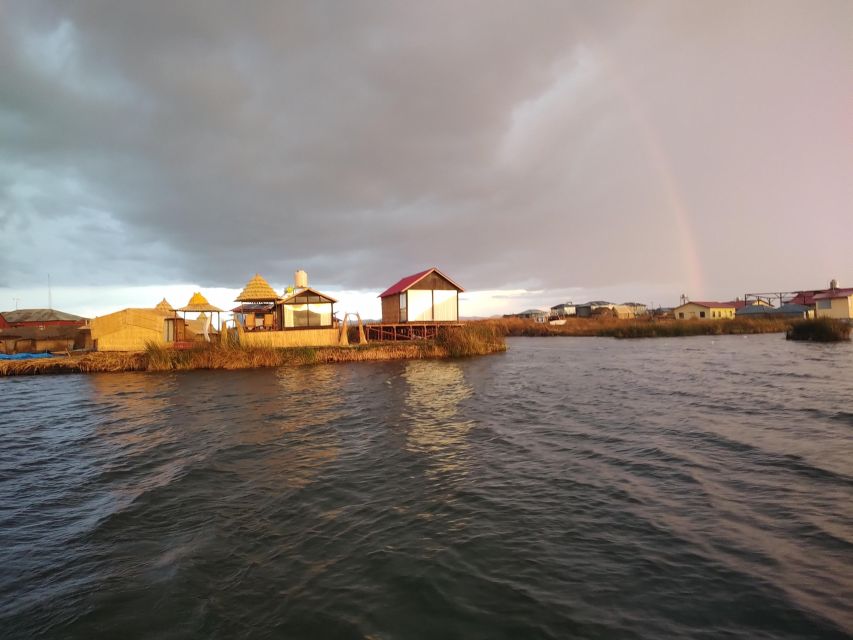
(199, 304)
(257, 290)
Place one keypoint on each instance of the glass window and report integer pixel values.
(824, 304)
(701, 314)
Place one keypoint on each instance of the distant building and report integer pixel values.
(537, 315)
(34, 339)
(563, 310)
(794, 311)
(834, 303)
(805, 298)
(39, 318)
(636, 308)
(40, 330)
(705, 310)
(587, 310)
(426, 297)
(740, 304)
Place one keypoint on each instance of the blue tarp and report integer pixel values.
(24, 356)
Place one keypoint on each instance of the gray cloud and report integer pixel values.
(550, 145)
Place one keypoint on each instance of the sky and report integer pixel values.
(536, 152)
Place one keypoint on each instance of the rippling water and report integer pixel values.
(570, 488)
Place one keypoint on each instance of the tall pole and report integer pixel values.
(49, 294)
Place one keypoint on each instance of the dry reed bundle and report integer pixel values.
(636, 328)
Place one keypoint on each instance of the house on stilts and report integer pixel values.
(416, 306)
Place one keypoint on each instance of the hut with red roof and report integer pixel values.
(425, 297)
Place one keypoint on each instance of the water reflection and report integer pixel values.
(433, 395)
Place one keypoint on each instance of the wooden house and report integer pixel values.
(425, 297)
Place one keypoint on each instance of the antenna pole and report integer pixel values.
(49, 294)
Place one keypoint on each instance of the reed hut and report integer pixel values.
(258, 310)
(133, 329)
(425, 297)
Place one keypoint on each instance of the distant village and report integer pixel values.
(414, 307)
(833, 302)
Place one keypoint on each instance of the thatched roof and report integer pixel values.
(257, 290)
(40, 315)
(164, 306)
(199, 303)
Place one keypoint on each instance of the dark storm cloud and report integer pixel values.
(513, 144)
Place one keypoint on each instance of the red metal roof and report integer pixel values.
(409, 281)
(829, 294)
(803, 297)
(709, 305)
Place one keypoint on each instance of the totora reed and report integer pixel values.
(455, 342)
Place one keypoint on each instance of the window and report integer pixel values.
(681, 315)
(701, 314)
(824, 304)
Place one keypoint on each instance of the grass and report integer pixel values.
(473, 339)
(636, 328)
(819, 330)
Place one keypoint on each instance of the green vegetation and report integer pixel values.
(819, 330)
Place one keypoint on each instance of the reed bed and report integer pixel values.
(819, 330)
(458, 342)
(636, 328)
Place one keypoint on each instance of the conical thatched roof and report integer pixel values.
(164, 306)
(257, 290)
(199, 303)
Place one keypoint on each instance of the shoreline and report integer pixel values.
(481, 337)
(638, 327)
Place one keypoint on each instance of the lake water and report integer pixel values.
(570, 488)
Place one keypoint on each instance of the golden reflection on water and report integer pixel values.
(297, 430)
(434, 391)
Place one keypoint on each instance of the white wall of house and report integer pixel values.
(420, 305)
(432, 305)
(446, 305)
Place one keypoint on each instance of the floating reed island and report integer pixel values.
(452, 342)
(819, 330)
